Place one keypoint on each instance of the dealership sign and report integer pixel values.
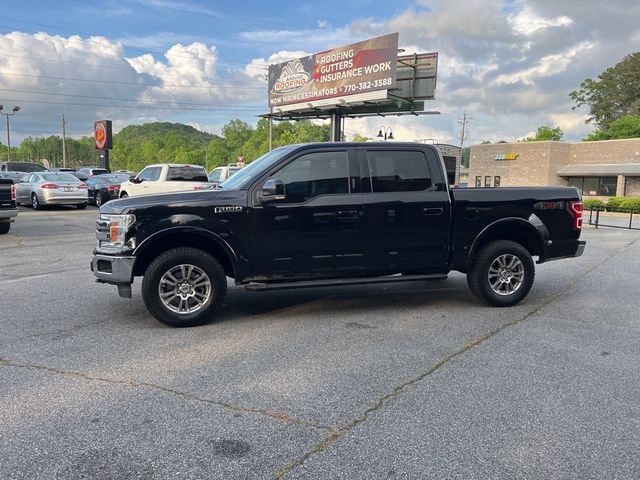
(336, 76)
(507, 156)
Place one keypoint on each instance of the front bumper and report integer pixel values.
(117, 270)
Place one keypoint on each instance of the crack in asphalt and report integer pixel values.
(277, 415)
(339, 432)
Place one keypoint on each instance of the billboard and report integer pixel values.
(335, 76)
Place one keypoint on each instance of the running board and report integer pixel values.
(263, 287)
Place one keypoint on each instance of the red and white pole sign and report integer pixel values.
(102, 134)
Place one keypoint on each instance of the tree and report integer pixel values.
(624, 127)
(615, 94)
(545, 133)
(360, 138)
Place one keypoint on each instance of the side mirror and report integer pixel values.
(136, 180)
(272, 190)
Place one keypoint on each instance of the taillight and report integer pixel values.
(197, 187)
(13, 193)
(49, 186)
(113, 188)
(82, 185)
(576, 209)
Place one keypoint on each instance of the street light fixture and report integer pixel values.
(388, 134)
(13, 112)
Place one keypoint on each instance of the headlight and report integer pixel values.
(111, 230)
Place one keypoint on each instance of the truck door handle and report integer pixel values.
(427, 211)
(348, 216)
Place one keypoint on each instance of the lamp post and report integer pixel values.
(15, 109)
(387, 135)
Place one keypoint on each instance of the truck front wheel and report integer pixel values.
(184, 287)
(502, 273)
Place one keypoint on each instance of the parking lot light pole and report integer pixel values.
(15, 109)
(388, 134)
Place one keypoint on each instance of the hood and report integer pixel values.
(212, 197)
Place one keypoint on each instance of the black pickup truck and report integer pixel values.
(332, 214)
(8, 209)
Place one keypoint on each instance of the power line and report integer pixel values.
(115, 82)
(152, 102)
(140, 107)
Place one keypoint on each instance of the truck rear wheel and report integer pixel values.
(184, 287)
(502, 273)
(4, 227)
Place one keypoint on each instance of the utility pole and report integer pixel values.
(64, 144)
(463, 133)
(270, 133)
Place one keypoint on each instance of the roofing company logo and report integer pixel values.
(293, 77)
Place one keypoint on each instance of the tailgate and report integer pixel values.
(6, 200)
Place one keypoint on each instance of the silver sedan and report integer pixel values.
(51, 188)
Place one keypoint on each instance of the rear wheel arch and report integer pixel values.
(161, 242)
(518, 230)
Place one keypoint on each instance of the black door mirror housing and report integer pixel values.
(135, 180)
(272, 190)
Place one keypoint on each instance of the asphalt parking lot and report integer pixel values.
(405, 381)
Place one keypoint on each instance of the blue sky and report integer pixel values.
(509, 64)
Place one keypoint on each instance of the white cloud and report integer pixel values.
(545, 67)
(527, 22)
(90, 78)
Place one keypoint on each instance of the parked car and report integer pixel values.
(63, 170)
(86, 172)
(332, 214)
(13, 176)
(166, 177)
(51, 188)
(8, 210)
(126, 172)
(102, 188)
(22, 167)
(220, 174)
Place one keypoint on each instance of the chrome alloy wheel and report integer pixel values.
(185, 289)
(506, 274)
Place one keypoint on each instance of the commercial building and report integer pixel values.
(599, 169)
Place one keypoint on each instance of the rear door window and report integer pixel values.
(187, 174)
(398, 171)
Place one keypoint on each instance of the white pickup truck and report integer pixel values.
(166, 177)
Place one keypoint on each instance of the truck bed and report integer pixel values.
(474, 209)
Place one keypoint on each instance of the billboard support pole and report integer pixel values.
(336, 126)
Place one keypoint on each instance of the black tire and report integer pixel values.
(81, 206)
(172, 259)
(124, 195)
(5, 227)
(478, 275)
(98, 199)
(35, 203)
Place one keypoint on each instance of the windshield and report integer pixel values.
(241, 179)
(26, 167)
(59, 177)
(120, 178)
